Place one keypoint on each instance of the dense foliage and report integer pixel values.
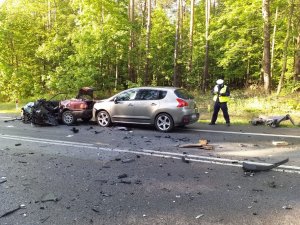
(48, 46)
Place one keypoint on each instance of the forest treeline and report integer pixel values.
(54, 45)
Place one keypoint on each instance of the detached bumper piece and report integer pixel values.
(257, 167)
(272, 121)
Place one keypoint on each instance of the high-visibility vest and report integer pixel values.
(222, 98)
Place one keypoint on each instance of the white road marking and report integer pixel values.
(44, 141)
(178, 156)
(6, 117)
(245, 133)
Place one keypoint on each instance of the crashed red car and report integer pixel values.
(77, 108)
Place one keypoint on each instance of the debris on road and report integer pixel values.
(257, 166)
(50, 197)
(12, 211)
(272, 184)
(183, 158)
(126, 181)
(5, 121)
(124, 175)
(2, 180)
(44, 219)
(288, 207)
(138, 182)
(105, 194)
(280, 143)
(95, 209)
(75, 130)
(272, 121)
(199, 216)
(203, 144)
(257, 190)
(123, 128)
(128, 160)
(185, 139)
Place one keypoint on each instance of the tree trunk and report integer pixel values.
(116, 74)
(246, 82)
(49, 15)
(176, 49)
(146, 76)
(191, 37)
(285, 49)
(297, 59)
(131, 68)
(273, 42)
(206, 62)
(267, 54)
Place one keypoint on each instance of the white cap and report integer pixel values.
(220, 81)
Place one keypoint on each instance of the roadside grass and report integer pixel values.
(9, 107)
(247, 105)
(243, 107)
(12, 107)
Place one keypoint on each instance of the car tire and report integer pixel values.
(164, 122)
(68, 118)
(103, 118)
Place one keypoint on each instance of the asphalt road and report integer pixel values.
(86, 174)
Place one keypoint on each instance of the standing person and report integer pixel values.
(221, 97)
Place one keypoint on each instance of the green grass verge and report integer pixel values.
(9, 108)
(244, 106)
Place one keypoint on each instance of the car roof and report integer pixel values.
(158, 87)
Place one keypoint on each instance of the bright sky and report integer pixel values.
(1, 2)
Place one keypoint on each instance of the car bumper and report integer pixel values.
(188, 119)
(93, 115)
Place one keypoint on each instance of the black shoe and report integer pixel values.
(228, 124)
(211, 124)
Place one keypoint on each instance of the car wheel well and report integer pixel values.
(163, 113)
(98, 110)
(65, 109)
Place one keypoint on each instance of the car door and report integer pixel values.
(122, 108)
(145, 105)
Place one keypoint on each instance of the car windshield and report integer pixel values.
(127, 95)
(182, 93)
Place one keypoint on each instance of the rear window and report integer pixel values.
(182, 93)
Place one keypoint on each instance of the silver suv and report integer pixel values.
(163, 107)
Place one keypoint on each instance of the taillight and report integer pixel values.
(82, 106)
(181, 103)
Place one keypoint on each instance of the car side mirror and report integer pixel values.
(116, 100)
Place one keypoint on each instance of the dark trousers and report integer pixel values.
(220, 105)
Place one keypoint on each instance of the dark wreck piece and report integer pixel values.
(40, 112)
(257, 167)
(272, 121)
